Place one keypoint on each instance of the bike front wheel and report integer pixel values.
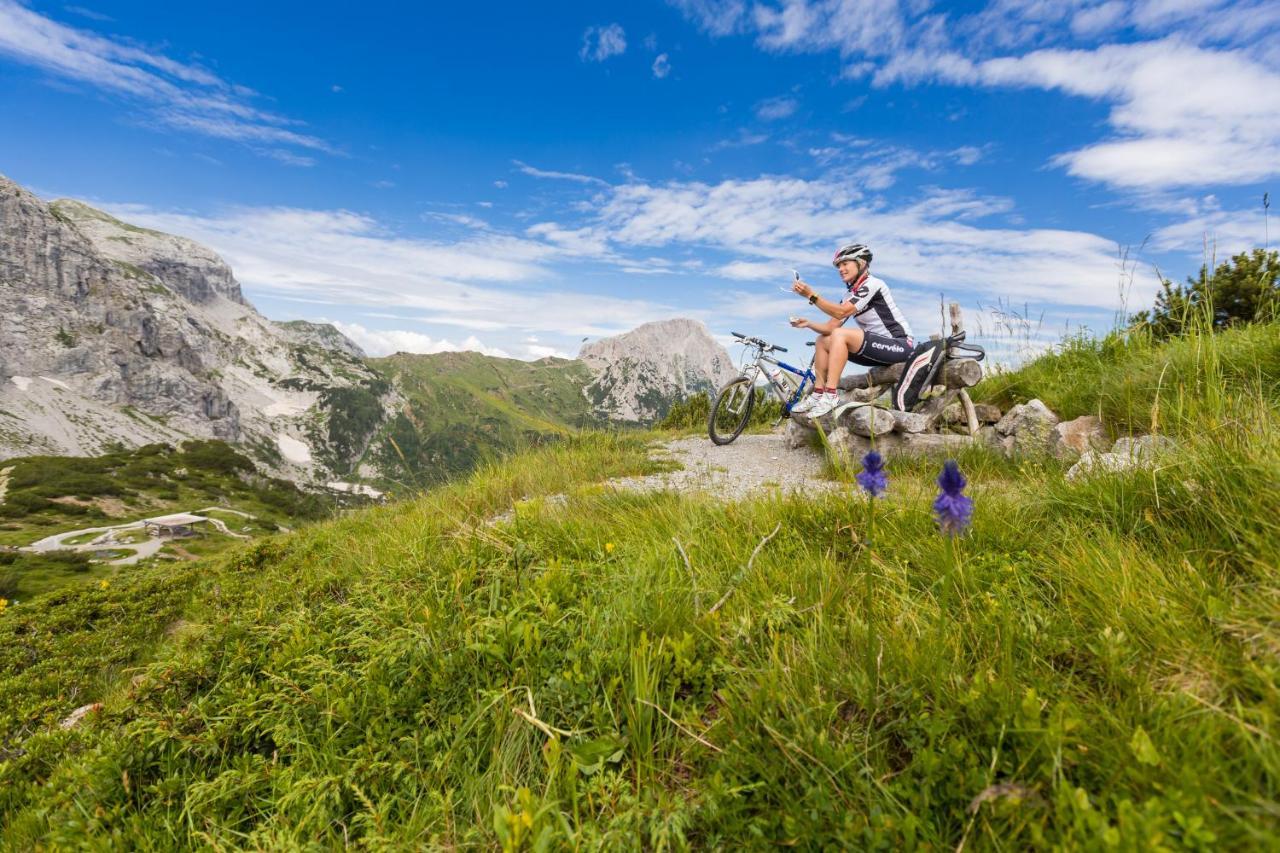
(731, 411)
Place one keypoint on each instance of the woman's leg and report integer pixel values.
(822, 349)
(843, 342)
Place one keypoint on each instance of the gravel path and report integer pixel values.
(752, 465)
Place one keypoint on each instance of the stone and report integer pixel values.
(912, 421)
(1142, 447)
(868, 420)
(76, 716)
(861, 395)
(1030, 424)
(1125, 454)
(798, 435)
(987, 413)
(1071, 439)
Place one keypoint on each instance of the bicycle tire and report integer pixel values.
(723, 398)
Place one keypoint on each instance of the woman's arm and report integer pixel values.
(838, 311)
(821, 328)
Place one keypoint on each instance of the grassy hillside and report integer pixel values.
(464, 408)
(1096, 664)
(51, 494)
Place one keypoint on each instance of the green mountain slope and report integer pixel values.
(462, 408)
(44, 495)
(1096, 664)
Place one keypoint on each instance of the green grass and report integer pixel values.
(1095, 665)
(1133, 381)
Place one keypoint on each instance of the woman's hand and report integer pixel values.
(801, 288)
(799, 323)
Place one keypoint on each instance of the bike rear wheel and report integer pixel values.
(731, 411)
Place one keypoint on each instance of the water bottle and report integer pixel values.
(775, 376)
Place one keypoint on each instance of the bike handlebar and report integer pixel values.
(763, 344)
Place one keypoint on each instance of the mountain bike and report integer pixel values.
(731, 409)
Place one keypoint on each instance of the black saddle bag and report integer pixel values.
(922, 366)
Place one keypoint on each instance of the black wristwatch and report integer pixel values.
(813, 299)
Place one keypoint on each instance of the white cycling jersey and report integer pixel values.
(875, 310)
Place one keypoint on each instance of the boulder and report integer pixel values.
(987, 413)
(1071, 439)
(868, 420)
(1143, 447)
(1031, 425)
(861, 395)
(1125, 454)
(797, 435)
(912, 421)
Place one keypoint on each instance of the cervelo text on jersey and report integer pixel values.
(875, 310)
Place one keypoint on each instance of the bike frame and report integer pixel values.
(798, 381)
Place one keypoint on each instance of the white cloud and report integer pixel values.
(773, 109)
(1183, 115)
(661, 66)
(1197, 106)
(771, 224)
(485, 282)
(380, 342)
(715, 17)
(178, 95)
(557, 176)
(600, 43)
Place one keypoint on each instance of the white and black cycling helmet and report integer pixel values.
(852, 252)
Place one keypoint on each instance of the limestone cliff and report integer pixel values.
(113, 334)
(639, 374)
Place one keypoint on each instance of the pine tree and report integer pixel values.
(1244, 289)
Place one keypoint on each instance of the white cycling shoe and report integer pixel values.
(824, 405)
(805, 405)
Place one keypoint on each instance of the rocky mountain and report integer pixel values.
(636, 376)
(116, 335)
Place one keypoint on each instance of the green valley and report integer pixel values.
(460, 409)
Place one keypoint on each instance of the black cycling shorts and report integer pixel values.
(879, 350)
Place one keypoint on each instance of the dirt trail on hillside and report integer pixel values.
(4, 482)
(751, 466)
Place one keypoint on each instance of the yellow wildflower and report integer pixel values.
(4, 602)
(103, 584)
(608, 547)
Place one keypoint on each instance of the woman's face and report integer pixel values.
(850, 270)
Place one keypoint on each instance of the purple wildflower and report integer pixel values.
(952, 508)
(872, 477)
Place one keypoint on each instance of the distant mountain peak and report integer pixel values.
(638, 375)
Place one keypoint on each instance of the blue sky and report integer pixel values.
(512, 179)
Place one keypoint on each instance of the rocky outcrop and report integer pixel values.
(1029, 425)
(323, 335)
(189, 269)
(1071, 439)
(113, 334)
(1125, 454)
(638, 375)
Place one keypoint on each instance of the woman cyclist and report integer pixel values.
(881, 335)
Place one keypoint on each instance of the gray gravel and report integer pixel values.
(751, 466)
